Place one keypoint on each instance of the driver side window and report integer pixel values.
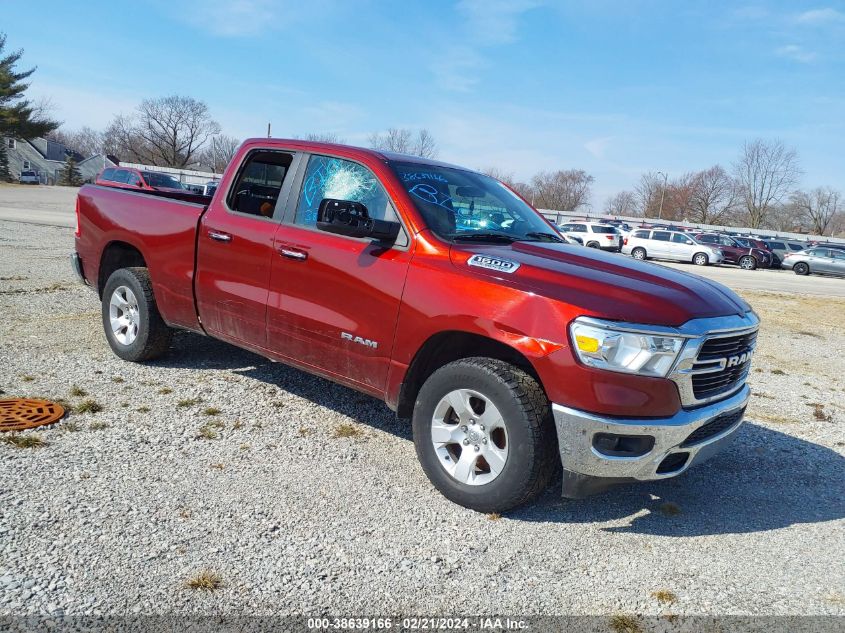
(257, 188)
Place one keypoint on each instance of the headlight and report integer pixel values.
(610, 346)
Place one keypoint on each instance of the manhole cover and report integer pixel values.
(17, 414)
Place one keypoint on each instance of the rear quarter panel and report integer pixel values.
(162, 229)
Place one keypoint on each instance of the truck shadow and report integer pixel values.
(764, 480)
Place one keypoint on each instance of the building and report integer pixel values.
(47, 158)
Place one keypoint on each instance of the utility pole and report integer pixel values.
(662, 193)
(268, 130)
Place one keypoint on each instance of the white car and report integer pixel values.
(674, 245)
(29, 178)
(594, 235)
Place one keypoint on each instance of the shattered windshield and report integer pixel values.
(461, 205)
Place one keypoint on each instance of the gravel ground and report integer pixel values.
(306, 497)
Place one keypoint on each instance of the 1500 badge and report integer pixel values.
(493, 263)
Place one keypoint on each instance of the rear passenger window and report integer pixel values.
(662, 236)
(777, 245)
(796, 247)
(642, 234)
(680, 238)
(256, 190)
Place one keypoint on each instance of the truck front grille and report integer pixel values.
(725, 346)
(713, 371)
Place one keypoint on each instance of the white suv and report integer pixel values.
(594, 235)
(674, 245)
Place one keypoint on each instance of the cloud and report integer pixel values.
(820, 16)
(494, 21)
(598, 146)
(457, 69)
(796, 53)
(241, 18)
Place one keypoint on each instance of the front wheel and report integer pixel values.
(484, 434)
(638, 253)
(748, 262)
(801, 268)
(134, 328)
(700, 259)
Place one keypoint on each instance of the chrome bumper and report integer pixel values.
(586, 470)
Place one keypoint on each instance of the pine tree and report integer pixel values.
(71, 177)
(5, 174)
(19, 117)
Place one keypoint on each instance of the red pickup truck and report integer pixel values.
(442, 292)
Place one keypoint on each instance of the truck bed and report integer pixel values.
(161, 225)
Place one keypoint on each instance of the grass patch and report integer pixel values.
(819, 413)
(70, 427)
(218, 466)
(143, 409)
(117, 379)
(760, 394)
(237, 425)
(165, 390)
(245, 447)
(813, 334)
(188, 402)
(185, 513)
(27, 378)
(778, 372)
(624, 623)
(205, 580)
(669, 509)
(25, 441)
(494, 516)
(206, 432)
(77, 392)
(211, 411)
(304, 431)
(88, 406)
(664, 596)
(347, 430)
(277, 405)
(98, 426)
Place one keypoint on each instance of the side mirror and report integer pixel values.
(352, 219)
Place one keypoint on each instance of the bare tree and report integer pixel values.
(563, 190)
(323, 137)
(403, 141)
(85, 141)
(169, 131)
(648, 192)
(766, 172)
(219, 153)
(623, 203)
(818, 206)
(714, 196)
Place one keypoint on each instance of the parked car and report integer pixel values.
(130, 178)
(746, 257)
(594, 235)
(820, 260)
(509, 350)
(29, 178)
(780, 248)
(210, 188)
(672, 245)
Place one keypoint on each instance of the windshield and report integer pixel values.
(463, 205)
(161, 180)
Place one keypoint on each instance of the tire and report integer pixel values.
(801, 268)
(519, 434)
(748, 262)
(639, 253)
(134, 328)
(593, 245)
(700, 259)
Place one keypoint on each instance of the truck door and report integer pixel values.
(334, 300)
(235, 248)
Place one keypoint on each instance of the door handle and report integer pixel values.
(219, 236)
(293, 253)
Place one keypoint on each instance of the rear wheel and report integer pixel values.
(748, 262)
(801, 268)
(700, 259)
(134, 328)
(638, 253)
(484, 434)
(593, 244)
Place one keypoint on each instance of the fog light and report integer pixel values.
(614, 445)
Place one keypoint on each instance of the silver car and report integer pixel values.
(824, 261)
(674, 245)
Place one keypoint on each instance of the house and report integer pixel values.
(47, 158)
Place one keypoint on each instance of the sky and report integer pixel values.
(616, 88)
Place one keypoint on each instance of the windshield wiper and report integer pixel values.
(485, 237)
(541, 235)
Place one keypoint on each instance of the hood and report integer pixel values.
(606, 285)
